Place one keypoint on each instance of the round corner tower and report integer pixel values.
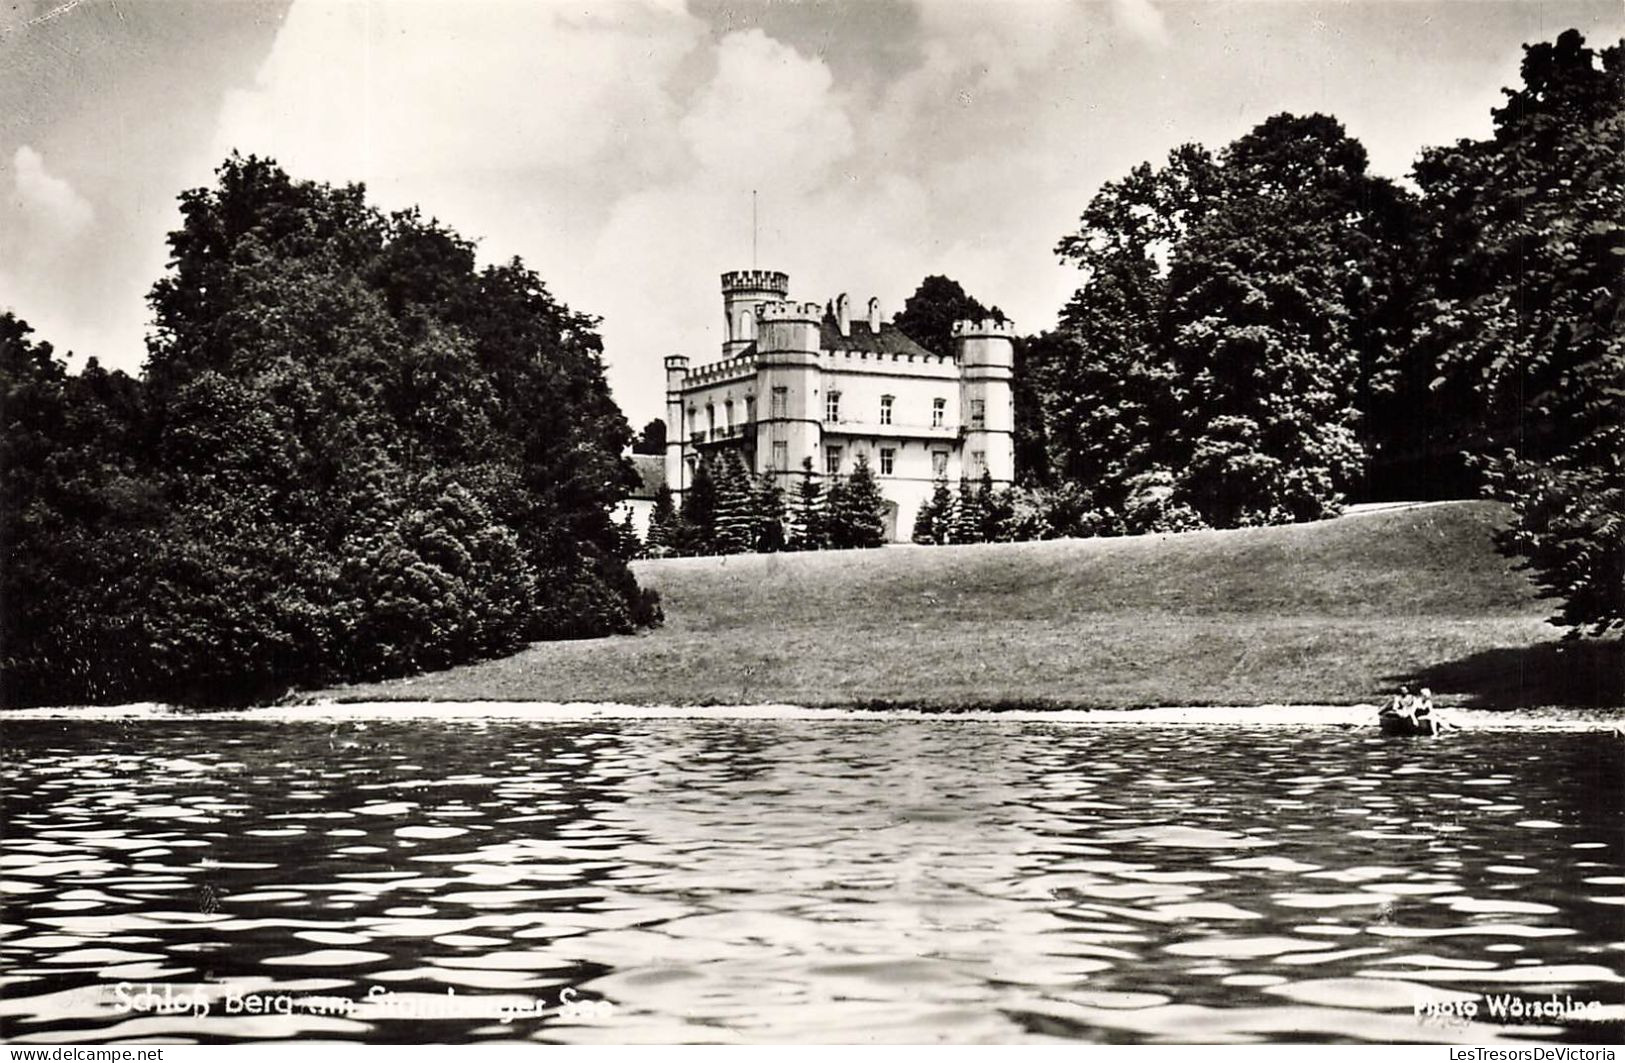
(744, 290)
(676, 441)
(987, 357)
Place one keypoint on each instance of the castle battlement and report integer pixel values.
(762, 280)
(726, 369)
(985, 327)
(790, 311)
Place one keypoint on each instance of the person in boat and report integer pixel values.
(1402, 704)
(1415, 710)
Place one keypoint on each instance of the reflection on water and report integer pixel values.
(756, 881)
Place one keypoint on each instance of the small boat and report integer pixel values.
(1397, 724)
(1411, 714)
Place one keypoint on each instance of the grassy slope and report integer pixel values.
(1334, 612)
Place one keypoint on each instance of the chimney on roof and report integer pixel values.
(874, 316)
(843, 314)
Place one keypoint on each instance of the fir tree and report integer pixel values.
(967, 523)
(736, 507)
(807, 522)
(663, 531)
(996, 510)
(854, 510)
(699, 513)
(769, 514)
(942, 512)
(925, 523)
(627, 535)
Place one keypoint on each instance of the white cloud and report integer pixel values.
(49, 206)
(767, 119)
(1142, 19)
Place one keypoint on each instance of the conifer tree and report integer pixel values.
(699, 513)
(627, 535)
(807, 522)
(996, 510)
(925, 524)
(663, 532)
(967, 523)
(769, 515)
(736, 507)
(942, 512)
(854, 510)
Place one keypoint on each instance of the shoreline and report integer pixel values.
(1557, 720)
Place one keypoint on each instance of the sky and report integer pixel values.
(615, 146)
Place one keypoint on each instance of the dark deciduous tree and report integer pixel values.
(353, 454)
(652, 440)
(1527, 312)
(929, 314)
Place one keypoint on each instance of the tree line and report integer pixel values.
(351, 454)
(727, 511)
(1268, 332)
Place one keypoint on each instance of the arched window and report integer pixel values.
(746, 329)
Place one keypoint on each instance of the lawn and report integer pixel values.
(1334, 612)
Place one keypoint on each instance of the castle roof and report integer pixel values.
(651, 470)
(889, 340)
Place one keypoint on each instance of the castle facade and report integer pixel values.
(798, 381)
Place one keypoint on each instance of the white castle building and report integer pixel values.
(799, 381)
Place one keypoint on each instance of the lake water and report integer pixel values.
(735, 880)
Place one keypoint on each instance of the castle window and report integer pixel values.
(711, 420)
(939, 462)
(728, 412)
(888, 460)
(693, 421)
(832, 407)
(885, 409)
(978, 462)
(781, 456)
(832, 460)
(939, 410)
(781, 400)
(978, 412)
(750, 409)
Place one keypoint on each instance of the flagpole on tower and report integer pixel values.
(753, 228)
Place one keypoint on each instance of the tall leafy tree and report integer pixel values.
(1527, 311)
(1105, 379)
(353, 454)
(1266, 312)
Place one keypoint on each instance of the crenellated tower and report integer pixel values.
(743, 291)
(987, 356)
(787, 379)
